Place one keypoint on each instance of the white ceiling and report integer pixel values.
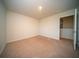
(30, 7)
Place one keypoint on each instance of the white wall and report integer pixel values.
(50, 26)
(20, 26)
(67, 33)
(2, 27)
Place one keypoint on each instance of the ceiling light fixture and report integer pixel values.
(40, 8)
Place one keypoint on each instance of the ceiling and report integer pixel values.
(49, 7)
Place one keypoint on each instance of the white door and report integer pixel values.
(76, 28)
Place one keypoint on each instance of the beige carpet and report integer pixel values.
(40, 47)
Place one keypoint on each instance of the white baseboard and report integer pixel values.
(21, 38)
(49, 37)
(31, 37)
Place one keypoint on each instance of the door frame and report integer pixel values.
(75, 29)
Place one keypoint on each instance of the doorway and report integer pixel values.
(67, 27)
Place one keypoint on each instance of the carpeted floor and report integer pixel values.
(40, 47)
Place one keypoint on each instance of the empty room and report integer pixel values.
(39, 28)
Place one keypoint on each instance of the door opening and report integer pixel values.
(67, 27)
